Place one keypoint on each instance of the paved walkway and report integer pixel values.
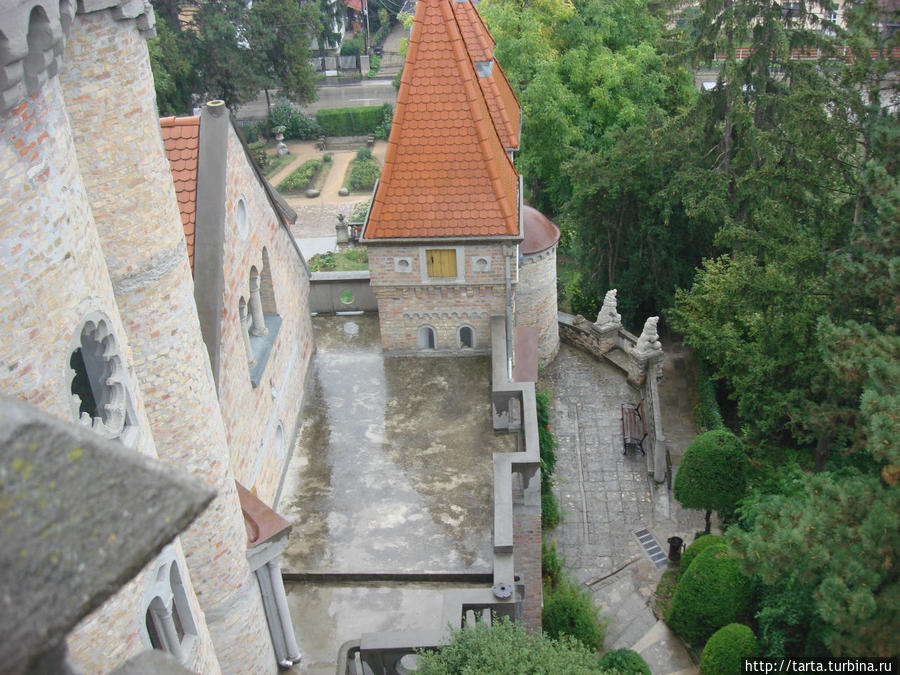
(606, 497)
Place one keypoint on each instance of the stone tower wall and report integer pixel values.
(55, 276)
(536, 301)
(253, 414)
(110, 99)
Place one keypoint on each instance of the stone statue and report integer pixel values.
(608, 317)
(648, 343)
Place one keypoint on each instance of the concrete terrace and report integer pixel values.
(389, 489)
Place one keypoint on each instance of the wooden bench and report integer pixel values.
(370, 140)
(634, 431)
(321, 144)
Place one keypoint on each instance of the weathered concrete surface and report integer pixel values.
(392, 469)
(606, 496)
(327, 615)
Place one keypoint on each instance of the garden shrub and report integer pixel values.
(296, 124)
(301, 177)
(550, 513)
(707, 413)
(700, 544)
(364, 153)
(711, 593)
(352, 46)
(360, 210)
(624, 662)
(374, 65)
(383, 130)
(506, 647)
(261, 157)
(363, 175)
(569, 610)
(727, 648)
(350, 121)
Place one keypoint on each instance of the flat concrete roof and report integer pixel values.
(391, 472)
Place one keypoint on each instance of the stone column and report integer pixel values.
(256, 313)
(245, 333)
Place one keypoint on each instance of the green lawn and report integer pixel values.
(351, 260)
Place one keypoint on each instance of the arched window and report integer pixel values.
(426, 337)
(466, 337)
(100, 397)
(168, 619)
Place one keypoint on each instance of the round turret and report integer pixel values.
(536, 292)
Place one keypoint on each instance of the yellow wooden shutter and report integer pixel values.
(441, 262)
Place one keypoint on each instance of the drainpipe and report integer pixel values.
(509, 316)
(287, 628)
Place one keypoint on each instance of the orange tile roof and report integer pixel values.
(446, 171)
(181, 137)
(501, 101)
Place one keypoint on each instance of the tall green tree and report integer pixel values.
(280, 32)
(172, 57)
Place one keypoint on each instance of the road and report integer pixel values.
(368, 92)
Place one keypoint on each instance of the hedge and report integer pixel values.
(700, 544)
(350, 121)
(624, 662)
(727, 648)
(712, 593)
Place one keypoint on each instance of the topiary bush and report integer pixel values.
(624, 662)
(713, 473)
(700, 544)
(569, 610)
(727, 648)
(711, 593)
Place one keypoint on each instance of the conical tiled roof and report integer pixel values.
(446, 172)
(500, 98)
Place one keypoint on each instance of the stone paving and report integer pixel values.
(606, 496)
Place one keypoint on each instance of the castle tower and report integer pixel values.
(536, 292)
(110, 99)
(444, 225)
(65, 347)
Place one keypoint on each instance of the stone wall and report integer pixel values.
(110, 99)
(254, 414)
(536, 301)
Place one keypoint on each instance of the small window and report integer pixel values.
(441, 263)
(426, 337)
(466, 337)
(241, 217)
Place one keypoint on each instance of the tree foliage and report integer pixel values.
(506, 647)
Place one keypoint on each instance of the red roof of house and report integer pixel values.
(446, 171)
(181, 137)
(500, 98)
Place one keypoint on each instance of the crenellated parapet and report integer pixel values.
(33, 35)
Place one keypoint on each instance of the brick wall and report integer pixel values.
(110, 98)
(55, 274)
(410, 300)
(252, 414)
